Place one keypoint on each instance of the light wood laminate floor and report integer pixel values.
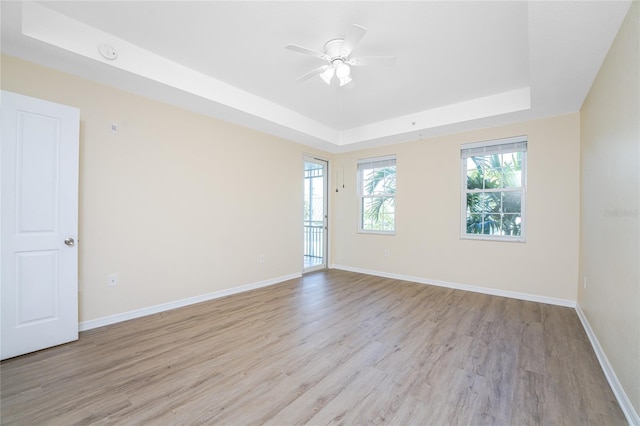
(332, 347)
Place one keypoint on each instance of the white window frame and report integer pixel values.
(368, 163)
(496, 146)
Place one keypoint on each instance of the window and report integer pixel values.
(377, 195)
(494, 189)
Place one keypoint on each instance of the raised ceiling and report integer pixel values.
(460, 65)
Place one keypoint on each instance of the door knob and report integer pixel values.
(69, 241)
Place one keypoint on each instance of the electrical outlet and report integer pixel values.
(387, 253)
(112, 280)
(261, 258)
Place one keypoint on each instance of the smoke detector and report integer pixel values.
(108, 51)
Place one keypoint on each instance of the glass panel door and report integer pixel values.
(315, 214)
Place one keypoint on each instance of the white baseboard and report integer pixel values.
(112, 319)
(467, 287)
(625, 404)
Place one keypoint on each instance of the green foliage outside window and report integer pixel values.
(378, 199)
(494, 194)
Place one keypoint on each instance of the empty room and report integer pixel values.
(259, 212)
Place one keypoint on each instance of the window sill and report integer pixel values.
(376, 232)
(490, 238)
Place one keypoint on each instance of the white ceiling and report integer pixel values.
(460, 65)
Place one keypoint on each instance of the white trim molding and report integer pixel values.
(466, 287)
(625, 403)
(137, 313)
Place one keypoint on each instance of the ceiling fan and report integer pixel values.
(337, 53)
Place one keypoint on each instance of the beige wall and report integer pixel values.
(178, 204)
(427, 243)
(610, 194)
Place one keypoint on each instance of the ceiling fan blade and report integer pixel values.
(372, 60)
(353, 37)
(306, 51)
(313, 73)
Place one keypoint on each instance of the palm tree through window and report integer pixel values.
(494, 190)
(377, 194)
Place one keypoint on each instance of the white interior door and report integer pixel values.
(39, 222)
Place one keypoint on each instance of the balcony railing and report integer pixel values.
(313, 238)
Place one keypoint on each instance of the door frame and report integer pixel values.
(309, 158)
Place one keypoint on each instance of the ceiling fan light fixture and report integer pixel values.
(343, 70)
(327, 75)
(344, 80)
